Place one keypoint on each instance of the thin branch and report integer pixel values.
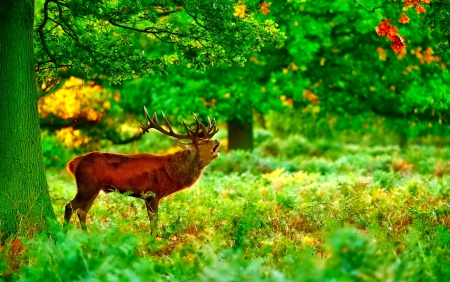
(160, 39)
(41, 33)
(60, 15)
(147, 30)
(61, 3)
(48, 89)
(48, 31)
(56, 67)
(128, 140)
(75, 38)
(195, 19)
(167, 13)
(76, 123)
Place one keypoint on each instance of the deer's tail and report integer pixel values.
(73, 164)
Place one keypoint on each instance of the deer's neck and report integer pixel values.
(185, 168)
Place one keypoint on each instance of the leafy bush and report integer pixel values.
(344, 212)
(109, 256)
(261, 135)
(56, 155)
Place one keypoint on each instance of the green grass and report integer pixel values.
(326, 212)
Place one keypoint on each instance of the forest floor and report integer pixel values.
(307, 213)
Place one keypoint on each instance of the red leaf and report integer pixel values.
(383, 28)
(392, 33)
(420, 9)
(398, 43)
(404, 19)
(264, 8)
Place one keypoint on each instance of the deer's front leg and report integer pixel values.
(152, 205)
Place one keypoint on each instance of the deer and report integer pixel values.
(150, 177)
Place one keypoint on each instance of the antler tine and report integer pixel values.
(167, 122)
(146, 113)
(197, 128)
(206, 131)
(155, 117)
(212, 126)
(153, 123)
(200, 123)
(213, 130)
(189, 131)
(146, 128)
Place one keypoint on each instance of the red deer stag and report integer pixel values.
(147, 176)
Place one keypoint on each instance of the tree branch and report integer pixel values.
(55, 123)
(51, 88)
(195, 19)
(41, 33)
(167, 13)
(126, 141)
(77, 41)
(147, 30)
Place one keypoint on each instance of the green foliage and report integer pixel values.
(292, 146)
(353, 256)
(300, 207)
(347, 72)
(437, 19)
(121, 39)
(360, 213)
(332, 69)
(55, 154)
(332, 66)
(83, 257)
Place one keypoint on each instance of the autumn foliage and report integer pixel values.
(391, 32)
(264, 8)
(75, 104)
(75, 100)
(408, 4)
(404, 19)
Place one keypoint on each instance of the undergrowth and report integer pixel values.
(288, 211)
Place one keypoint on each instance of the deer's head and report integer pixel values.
(206, 149)
(200, 139)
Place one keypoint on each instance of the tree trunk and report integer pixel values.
(240, 133)
(24, 197)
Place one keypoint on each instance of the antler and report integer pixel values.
(206, 133)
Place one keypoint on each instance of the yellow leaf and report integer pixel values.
(239, 11)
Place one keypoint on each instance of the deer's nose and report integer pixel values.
(217, 142)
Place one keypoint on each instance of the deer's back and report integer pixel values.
(138, 173)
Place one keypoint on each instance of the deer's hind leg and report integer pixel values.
(152, 205)
(83, 200)
(83, 211)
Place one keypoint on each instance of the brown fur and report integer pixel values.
(148, 176)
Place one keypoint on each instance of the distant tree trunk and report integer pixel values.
(240, 133)
(261, 119)
(24, 196)
(403, 140)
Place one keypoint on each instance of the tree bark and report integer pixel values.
(240, 133)
(24, 197)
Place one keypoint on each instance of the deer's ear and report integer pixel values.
(183, 145)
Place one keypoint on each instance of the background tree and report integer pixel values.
(432, 13)
(232, 94)
(345, 70)
(93, 37)
(333, 67)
